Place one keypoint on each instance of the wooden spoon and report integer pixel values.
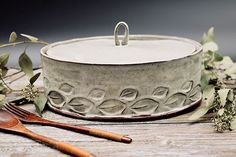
(8, 122)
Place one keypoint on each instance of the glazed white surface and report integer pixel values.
(104, 51)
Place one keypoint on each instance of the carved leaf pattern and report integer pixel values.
(176, 100)
(145, 106)
(112, 107)
(56, 99)
(129, 94)
(80, 105)
(160, 92)
(162, 108)
(195, 94)
(187, 86)
(97, 94)
(67, 88)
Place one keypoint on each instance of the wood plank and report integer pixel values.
(149, 140)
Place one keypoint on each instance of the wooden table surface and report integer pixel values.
(167, 137)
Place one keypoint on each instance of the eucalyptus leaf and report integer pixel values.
(4, 71)
(4, 59)
(31, 38)
(2, 100)
(204, 38)
(3, 89)
(223, 93)
(210, 33)
(231, 71)
(225, 63)
(209, 36)
(2, 97)
(13, 37)
(217, 57)
(233, 124)
(230, 96)
(209, 95)
(221, 111)
(204, 80)
(34, 78)
(40, 102)
(26, 64)
(210, 46)
(199, 113)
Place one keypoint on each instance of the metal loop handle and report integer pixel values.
(126, 37)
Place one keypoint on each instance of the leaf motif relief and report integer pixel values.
(176, 100)
(195, 94)
(67, 88)
(187, 86)
(112, 107)
(56, 99)
(162, 109)
(160, 92)
(129, 94)
(80, 105)
(145, 106)
(97, 94)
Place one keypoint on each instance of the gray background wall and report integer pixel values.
(53, 20)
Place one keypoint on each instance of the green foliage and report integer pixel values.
(13, 37)
(31, 38)
(3, 70)
(30, 93)
(217, 82)
(34, 78)
(4, 59)
(40, 102)
(233, 124)
(2, 100)
(199, 113)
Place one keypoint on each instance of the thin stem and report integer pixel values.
(15, 73)
(6, 84)
(16, 90)
(12, 74)
(23, 42)
(16, 79)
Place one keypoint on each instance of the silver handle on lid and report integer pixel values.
(126, 36)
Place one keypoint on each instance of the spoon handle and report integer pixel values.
(91, 131)
(64, 147)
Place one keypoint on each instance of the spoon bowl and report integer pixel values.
(8, 122)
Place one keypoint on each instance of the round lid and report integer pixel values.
(140, 49)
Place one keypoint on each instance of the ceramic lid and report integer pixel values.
(135, 49)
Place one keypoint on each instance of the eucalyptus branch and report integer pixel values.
(23, 42)
(29, 93)
(218, 84)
